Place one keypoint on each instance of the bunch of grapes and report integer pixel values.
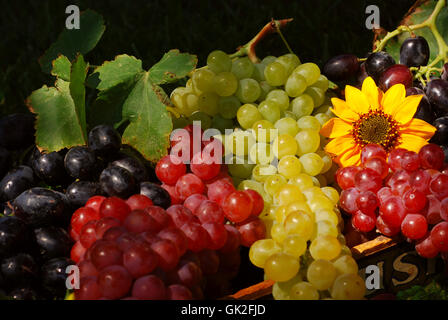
(382, 67)
(403, 192)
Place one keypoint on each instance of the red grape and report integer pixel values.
(426, 248)
(167, 253)
(368, 180)
(217, 233)
(219, 190)
(393, 211)
(237, 206)
(364, 222)
(431, 156)
(385, 228)
(105, 224)
(209, 262)
(209, 211)
(169, 169)
(444, 209)
(140, 221)
(139, 201)
(204, 166)
(189, 273)
(198, 238)
(88, 289)
(398, 73)
(177, 237)
(419, 180)
(383, 194)
(257, 202)
(347, 200)
(114, 233)
(149, 287)
(346, 176)
(367, 202)
(114, 207)
(139, 259)
(433, 211)
(414, 200)
(105, 253)
(95, 202)
(410, 161)
(87, 269)
(159, 215)
(439, 236)
(187, 185)
(179, 292)
(394, 158)
(180, 215)
(81, 216)
(193, 201)
(175, 199)
(372, 151)
(233, 239)
(77, 252)
(414, 226)
(114, 282)
(439, 186)
(88, 234)
(251, 231)
(378, 165)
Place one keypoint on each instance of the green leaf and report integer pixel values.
(57, 122)
(61, 68)
(77, 89)
(420, 14)
(73, 41)
(151, 124)
(122, 69)
(173, 66)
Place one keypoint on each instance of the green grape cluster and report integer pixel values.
(304, 252)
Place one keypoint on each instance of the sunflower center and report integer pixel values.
(376, 127)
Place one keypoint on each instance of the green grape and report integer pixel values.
(328, 163)
(205, 120)
(321, 274)
(278, 233)
(269, 110)
(289, 166)
(261, 250)
(262, 171)
(273, 183)
(287, 194)
(310, 71)
(264, 131)
(322, 118)
(299, 206)
(176, 96)
(259, 72)
(189, 104)
(294, 245)
(280, 214)
(275, 74)
(236, 181)
(248, 90)
(302, 180)
(180, 122)
(326, 215)
(287, 126)
(316, 94)
(290, 114)
(295, 85)
(302, 106)
(208, 103)
(309, 122)
(290, 61)
(268, 59)
(284, 145)
(322, 109)
(304, 291)
(345, 265)
(242, 68)
(202, 79)
(218, 61)
(247, 115)
(341, 239)
(239, 142)
(321, 83)
(313, 192)
(348, 287)
(265, 89)
(228, 107)
(312, 164)
(225, 84)
(281, 267)
(261, 153)
(191, 88)
(280, 97)
(240, 170)
(320, 202)
(221, 123)
(300, 223)
(278, 293)
(307, 141)
(326, 228)
(325, 247)
(257, 186)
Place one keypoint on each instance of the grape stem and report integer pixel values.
(430, 23)
(249, 48)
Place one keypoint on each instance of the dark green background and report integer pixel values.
(147, 29)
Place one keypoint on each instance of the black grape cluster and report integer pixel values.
(39, 193)
(381, 66)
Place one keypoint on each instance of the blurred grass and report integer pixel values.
(147, 29)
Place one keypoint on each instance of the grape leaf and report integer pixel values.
(73, 41)
(173, 66)
(151, 124)
(122, 69)
(61, 68)
(421, 13)
(60, 121)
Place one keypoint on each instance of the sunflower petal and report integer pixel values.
(335, 127)
(411, 142)
(351, 157)
(356, 99)
(372, 93)
(340, 145)
(407, 109)
(343, 111)
(393, 97)
(419, 128)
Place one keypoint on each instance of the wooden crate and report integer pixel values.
(399, 265)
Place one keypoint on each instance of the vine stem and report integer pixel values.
(430, 23)
(249, 48)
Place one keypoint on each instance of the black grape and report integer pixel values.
(17, 131)
(441, 135)
(104, 140)
(377, 63)
(159, 196)
(5, 161)
(40, 207)
(341, 67)
(24, 293)
(19, 269)
(50, 168)
(117, 181)
(81, 163)
(437, 92)
(414, 52)
(52, 242)
(424, 110)
(134, 166)
(53, 276)
(15, 182)
(14, 235)
(80, 191)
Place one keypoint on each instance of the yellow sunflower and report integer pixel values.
(371, 116)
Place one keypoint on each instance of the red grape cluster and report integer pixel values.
(402, 191)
